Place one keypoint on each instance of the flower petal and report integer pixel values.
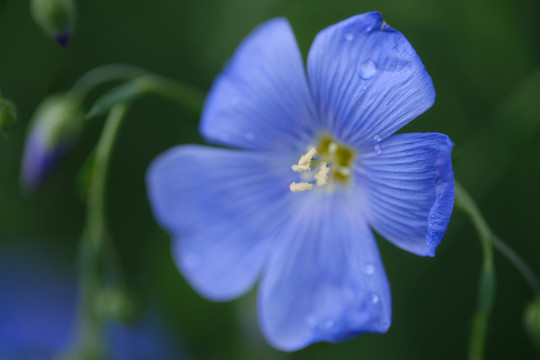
(408, 190)
(261, 100)
(325, 281)
(222, 207)
(367, 80)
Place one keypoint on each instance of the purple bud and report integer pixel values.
(53, 130)
(63, 38)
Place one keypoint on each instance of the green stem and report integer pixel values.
(106, 73)
(95, 219)
(487, 283)
(519, 263)
(94, 245)
(183, 95)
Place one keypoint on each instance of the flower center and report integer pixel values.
(331, 162)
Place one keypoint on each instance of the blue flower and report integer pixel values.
(329, 138)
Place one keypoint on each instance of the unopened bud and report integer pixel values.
(56, 18)
(8, 116)
(531, 321)
(54, 129)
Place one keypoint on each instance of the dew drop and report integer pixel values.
(369, 269)
(377, 138)
(374, 298)
(349, 36)
(378, 149)
(367, 70)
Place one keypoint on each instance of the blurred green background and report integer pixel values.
(484, 58)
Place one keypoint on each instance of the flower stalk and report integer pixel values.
(96, 250)
(487, 282)
(104, 74)
(179, 93)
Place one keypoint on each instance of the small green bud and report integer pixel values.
(55, 17)
(8, 116)
(54, 128)
(531, 321)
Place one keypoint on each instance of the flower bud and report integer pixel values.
(531, 321)
(53, 130)
(8, 116)
(55, 17)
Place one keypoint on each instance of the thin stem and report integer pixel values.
(487, 276)
(486, 289)
(106, 73)
(182, 94)
(94, 246)
(97, 190)
(519, 263)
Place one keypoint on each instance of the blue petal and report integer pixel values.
(367, 80)
(39, 160)
(37, 306)
(223, 208)
(261, 100)
(408, 189)
(325, 281)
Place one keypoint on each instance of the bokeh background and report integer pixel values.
(484, 58)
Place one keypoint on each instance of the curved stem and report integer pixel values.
(94, 246)
(95, 219)
(487, 283)
(519, 263)
(106, 73)
(180, 93)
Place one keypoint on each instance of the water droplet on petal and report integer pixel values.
(373, 298)
(369, 269)
(377, 138)
(378, 149)
(367, 70)
(349, 36)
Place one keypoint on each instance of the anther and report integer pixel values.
(305, 161)
(322, 174)
(303, 186)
